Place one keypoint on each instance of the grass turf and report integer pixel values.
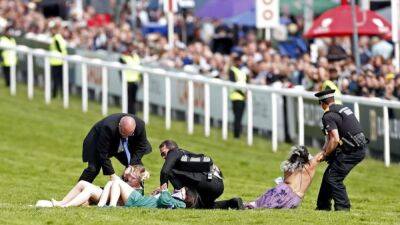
(40, 158)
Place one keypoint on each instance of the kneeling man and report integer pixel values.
(196, 171)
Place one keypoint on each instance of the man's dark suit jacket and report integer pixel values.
(103, 141)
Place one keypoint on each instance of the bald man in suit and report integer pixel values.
(120, 135)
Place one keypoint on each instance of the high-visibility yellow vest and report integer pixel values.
(53, 48)
(131, 60)
(240, 77)
(328, 84)
(9, 56)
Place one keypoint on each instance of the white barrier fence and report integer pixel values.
(190, 79)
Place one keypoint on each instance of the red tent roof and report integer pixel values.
(338, 22)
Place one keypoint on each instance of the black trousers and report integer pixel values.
(332, 186)
(233, 203)
(94, 166)
(132, 90)
(208, 190)
(56, 80)
(6, 72)
(238, 110)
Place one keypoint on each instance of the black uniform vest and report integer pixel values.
(193, 162)
(348, 123)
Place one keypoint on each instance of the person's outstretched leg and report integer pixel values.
(115, 193)
(91, 191)
(72, 193)
(119, 189)
(105, 195)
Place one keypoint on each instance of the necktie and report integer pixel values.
(125, 146)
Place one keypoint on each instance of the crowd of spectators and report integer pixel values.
(209, 45)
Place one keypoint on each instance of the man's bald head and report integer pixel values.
(127, 126)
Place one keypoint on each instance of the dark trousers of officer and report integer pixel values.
(93, 169)
(332, 186)
(232, 203)
(132, 90)
(6, 72)
(238, 110)
(208, 190)
(56, 80)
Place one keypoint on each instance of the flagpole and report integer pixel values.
(395, 5)
(308, 14)
(355, 36)
(170, 18)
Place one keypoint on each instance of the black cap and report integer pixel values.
(322, 95)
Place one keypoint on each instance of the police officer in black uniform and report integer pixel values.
(196, 171)
(344, 148)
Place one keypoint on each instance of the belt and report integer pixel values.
(215, 172)
(357, 141)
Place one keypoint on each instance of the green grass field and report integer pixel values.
(40, 158)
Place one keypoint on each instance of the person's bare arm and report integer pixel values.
(332, 142)
(105, 195)
(159, 189)
(319, 157)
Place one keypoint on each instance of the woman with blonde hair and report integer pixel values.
(85, 193)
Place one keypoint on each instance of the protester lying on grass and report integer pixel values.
(183, 198)
(299, 170)
(85, 193)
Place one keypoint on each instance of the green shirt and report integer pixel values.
(165, 200)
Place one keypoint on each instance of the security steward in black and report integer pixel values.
(195, 171)
(344, 148)
(133, 78)
(237, 97)
(119, 135)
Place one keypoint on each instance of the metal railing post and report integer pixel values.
(104, 90)
(386, 127)
(206, 110)
(30, 75)
(47, 80)
(190, 116)
(84, 88)
(357, 111)
(249, 117)
(274, 118)
(66, 84)
(124, 94)
(13, 80)
(146, 102)
(167, 103)
(224, 113)
(301, 120)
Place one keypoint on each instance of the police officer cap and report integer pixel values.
(322, 95)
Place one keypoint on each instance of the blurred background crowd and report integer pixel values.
(209, 46)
